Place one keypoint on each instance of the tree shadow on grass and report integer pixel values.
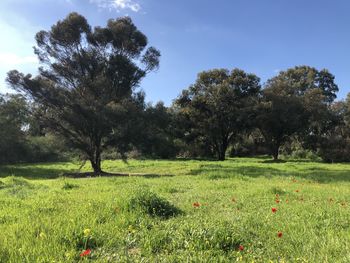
(213, 170)
(44, 172)
(29, 172)
(108, 174)
(316, 174)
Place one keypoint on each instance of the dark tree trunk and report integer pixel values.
(95, 160)
(221, 151)
(221, 156)
(275, 149)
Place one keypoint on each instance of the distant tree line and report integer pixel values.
(84, 102)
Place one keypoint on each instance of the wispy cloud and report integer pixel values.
(16, 50)
(11, 59)
(118, 5)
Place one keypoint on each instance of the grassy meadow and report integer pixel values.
(242, 209)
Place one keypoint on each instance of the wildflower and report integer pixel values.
(331, 200)
(241, 248)
(233, 200)
(274, 210)
(85, 253)
(277, 195)
(196, 204)
(87, 232)
(279, 234)
(297, 191)
(277, 201)
(287, 201)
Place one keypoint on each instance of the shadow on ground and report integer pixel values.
(31, 172)
(316, 174)
(42, 172)
(212, 170)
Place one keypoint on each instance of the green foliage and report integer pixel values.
(48, 148)
(295, 103)
(87, 82)
(13, 116)
(216, 108)
(334, 144)
(153, 205)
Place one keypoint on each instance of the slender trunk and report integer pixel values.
(95, 161)
(221, 151)
(275, 149)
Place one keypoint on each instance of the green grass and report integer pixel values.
(153, 218)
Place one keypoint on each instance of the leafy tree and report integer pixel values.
(13, 121)
(217, 107)
(87, 81)
(279, 118)
(158, 138)
(295, 102)
(334, 144)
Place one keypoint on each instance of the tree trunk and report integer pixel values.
(96, 162)
(275, 149)
(222, 151)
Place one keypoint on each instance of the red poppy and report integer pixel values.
(279, 234)
(196, 204)
(241, 248)
(297, 191)
(277, 201)
(274, 210)
(277, 195)
(85, 253)
(287, 201)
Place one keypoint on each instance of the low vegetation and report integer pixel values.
(238, 210)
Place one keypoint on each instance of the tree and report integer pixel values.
(295, 102)
(157, 132)
(13, 121)
(218, 106)
(87, 82)
(334, 144)
(279, 118)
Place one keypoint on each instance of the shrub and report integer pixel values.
(153, 205)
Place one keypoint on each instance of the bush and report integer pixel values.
(335, 149)
(153, 205)
(46, 149)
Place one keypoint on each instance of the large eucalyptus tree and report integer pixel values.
(87, 82)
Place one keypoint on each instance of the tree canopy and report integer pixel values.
(295, 102)
(219, 106)
(87, 82)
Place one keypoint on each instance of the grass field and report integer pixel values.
(243, 209)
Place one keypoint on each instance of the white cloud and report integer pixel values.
(11, 59)
(118, 5)
(16, 50)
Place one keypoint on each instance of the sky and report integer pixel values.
(258, 36)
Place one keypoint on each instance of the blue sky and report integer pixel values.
(259, 36)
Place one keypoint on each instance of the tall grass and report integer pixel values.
(187, 211)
